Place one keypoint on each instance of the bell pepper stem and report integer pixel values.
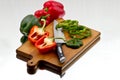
(46, 9)
(41, 29)
(44, 23)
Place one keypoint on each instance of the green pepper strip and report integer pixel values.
(74, 43)
(74, 29)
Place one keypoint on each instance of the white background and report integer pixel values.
(102, 62)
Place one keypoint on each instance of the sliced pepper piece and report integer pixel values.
(36, 32)
(45, 44)
(74, 43)
(74, 29)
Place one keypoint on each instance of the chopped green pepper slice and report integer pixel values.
(74, 29)
(74, 43)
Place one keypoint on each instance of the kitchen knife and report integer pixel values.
(59, 34)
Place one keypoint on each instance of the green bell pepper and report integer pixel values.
(27, 23)
(23, 39)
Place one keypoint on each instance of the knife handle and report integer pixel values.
(60, 53)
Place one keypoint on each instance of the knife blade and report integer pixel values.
(59, 34)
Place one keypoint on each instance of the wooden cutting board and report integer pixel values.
(49, 61)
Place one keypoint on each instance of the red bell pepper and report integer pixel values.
(54, 8)
(45, 44)
(53, 3)
(42, 14)
(51, 10)
(36, 33)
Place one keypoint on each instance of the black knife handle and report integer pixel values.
(60, 53)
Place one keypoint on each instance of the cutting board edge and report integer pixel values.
(64, 68)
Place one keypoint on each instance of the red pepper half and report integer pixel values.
(45, 44)
(36, 33)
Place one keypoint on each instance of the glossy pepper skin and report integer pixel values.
(45, 44)
(35, 34)
(54, 8)
(27, 23)
(53, 3)
(51, 10)
(23, 39)
(42, 14)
